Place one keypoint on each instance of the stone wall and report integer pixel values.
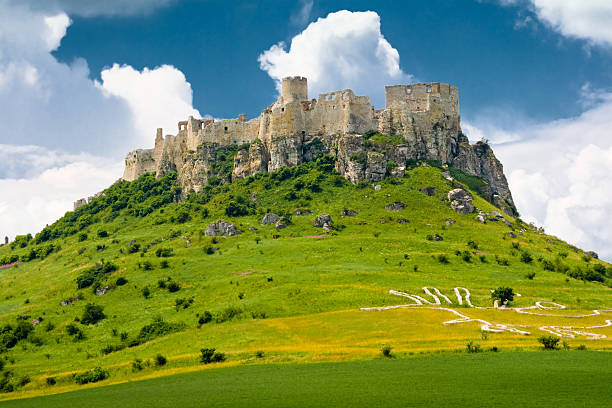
(295, 129)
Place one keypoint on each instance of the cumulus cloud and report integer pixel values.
(62, 135)
(559, 172)
(28, 204)
(157, 97)
(584, 19)
(302, 16)
(343, 50)
(91, 8)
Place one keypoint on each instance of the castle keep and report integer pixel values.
(296, 129)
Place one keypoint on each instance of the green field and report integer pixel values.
(541, 379)
(289, 295)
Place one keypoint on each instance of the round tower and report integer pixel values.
(294, 89)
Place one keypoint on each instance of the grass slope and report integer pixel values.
(271, 295)
(553, 380)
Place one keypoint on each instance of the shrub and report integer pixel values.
(386, 350)
(82, 237)
(503, 294)
(137, 365)
(164, 264)
(183, 216)
(501, 261)
(229, 313)
(581, 347)
(173, 287)
(259, 354)
(205, 318)
(472, 244)
(133, 248)
(146, 266)
(161, 284)
(121, 281)
(155, 329)
(549, 342)
(443, 259)
(526, 257)
(473, 347)
(164, 252)
(530, 275)
(548, 265)
(146, 292)
(94, 274)
(208, 355)
(92, 314)
(91, 376)
(50, 381)
(209, 250)
(236, 209)
(102, 234)
(160, 360)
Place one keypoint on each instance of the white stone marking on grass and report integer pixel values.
(561, 331)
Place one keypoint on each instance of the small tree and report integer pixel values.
(386, 350)
(92, 314)
(503, 294)
(549, 342)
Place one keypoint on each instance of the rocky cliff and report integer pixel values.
(419, 122)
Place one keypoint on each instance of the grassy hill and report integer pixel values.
(131, 284)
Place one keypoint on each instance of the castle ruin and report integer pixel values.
(295, 129)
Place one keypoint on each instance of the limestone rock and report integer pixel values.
(302, 211)
(461, 201)
(282, 223)
(396, 206)
(221, 227)
(450, 221)
(270, 218)
(323, 221)
(348, 213)
(480, 219)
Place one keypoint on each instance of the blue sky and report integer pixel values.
(474, 45)
(84, 81)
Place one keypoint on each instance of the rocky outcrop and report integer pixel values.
(461, 201)
(270, 218)
(322, 221)
(396, 206)
(421, 121)
(223, 228)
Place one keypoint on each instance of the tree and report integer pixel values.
(503, 294)
(92, 314)
(549, 342)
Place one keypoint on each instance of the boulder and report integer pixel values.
(396, 206)
(221, 227)
(435, 237)
(348, 213)
(450, 221)
(302, 211)
(270, 218)
(377, 187)
(480, 219)
(323, 221)
(402, 221)
(461, 201)
(282, 223)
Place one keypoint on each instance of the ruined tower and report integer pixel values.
(294, 89)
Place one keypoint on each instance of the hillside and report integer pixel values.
(283, 292)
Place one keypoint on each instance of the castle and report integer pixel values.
(296, 129)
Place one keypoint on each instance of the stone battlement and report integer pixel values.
(295, 129)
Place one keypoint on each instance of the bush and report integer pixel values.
(92, 314)
(155, 329)
(205, 318)
(160, 360)
(503, 294)
(183, 216)
(526, 257)
(91, 376)
(82, 237)
(386, 350)
(102, 234)
(443, 259)
(121, 281)
(164, 264)
(94, 274)
(50, 381)
(146, 292)
(133, 248)
(137, 365)
(549, 342)
(530, 275)
(173, 287)
(473, 347)
(208, 355)
(472, 244)
(164, 252)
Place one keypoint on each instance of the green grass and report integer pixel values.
(540, 379)
(295, 298)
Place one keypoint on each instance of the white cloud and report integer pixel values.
(92, 8)
(28, 204)
(343, 50)
(63, 136)
(157, 97)
(559, 172)
(584, 19)
(302, 16)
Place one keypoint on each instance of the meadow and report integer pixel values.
(560, 379)
(284, 296)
